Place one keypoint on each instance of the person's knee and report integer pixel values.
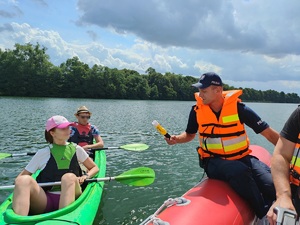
(24, 180)
(69, 178)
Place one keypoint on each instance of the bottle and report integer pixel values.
(160, 129)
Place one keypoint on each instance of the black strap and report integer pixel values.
(218, 125)
(212, 135)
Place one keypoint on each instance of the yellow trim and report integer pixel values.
(297, 162)
(213, 146)
(235, 146)
(231, 118)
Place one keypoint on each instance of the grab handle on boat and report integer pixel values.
(180, 201)
(285, 216)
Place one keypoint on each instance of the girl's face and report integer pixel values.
(60, 134)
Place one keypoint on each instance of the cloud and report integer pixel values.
(261, 27)
(244, 69)
(41, 2)
(207, 66)
(6, 27)
(12, 12)
(6, 14)
(137, 57)
(92, 34)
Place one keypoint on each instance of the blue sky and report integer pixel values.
(249, 43)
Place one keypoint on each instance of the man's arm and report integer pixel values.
(99, 143)
(271, 135)
(280, 165)
(252, 120)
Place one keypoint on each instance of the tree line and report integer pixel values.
(27, 70)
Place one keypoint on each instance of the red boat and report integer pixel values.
(210, 202)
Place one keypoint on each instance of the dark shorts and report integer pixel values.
(52, 202)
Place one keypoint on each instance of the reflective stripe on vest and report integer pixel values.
(295, 164)
(225, 137)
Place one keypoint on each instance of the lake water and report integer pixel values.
(121, 122)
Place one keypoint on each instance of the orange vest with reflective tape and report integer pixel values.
(295, 164)
(225, 137)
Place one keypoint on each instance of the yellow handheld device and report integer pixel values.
(160, 129)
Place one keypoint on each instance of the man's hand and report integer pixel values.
(172, 140)
(284, 202)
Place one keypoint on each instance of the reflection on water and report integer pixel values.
(121, 122)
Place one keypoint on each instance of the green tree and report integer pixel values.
(27, 71)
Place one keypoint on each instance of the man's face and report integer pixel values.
(208, 94)
(83, 118)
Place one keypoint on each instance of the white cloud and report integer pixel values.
(137, 57)
(207, 66)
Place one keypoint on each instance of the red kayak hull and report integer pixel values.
(214, 202)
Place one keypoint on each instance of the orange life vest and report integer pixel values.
(225, 137)
(295, 164)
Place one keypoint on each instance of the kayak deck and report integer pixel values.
(82, 211)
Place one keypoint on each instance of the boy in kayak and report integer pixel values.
(57, 162)
(285, 167)
(83, 133)
(219, 118)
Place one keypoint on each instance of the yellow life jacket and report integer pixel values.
(225, 137)
(295, 164)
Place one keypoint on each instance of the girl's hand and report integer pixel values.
(83, 178)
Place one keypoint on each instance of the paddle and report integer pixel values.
(129, 147)
(137, 147)
(141, 176)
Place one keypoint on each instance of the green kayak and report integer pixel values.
(82, 211)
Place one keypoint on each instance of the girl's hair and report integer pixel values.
(48, 136)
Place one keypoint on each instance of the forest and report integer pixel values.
(27, 71)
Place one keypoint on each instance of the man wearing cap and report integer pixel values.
(83, 133)
(219, 118)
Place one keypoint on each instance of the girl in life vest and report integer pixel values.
(57, 162)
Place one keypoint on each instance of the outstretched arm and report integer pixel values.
(271, 135)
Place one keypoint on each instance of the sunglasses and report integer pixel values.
(85, 117)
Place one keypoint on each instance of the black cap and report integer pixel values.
(208, 79)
